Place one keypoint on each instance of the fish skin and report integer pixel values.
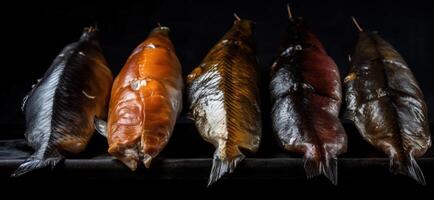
(59, 110)
(146, 100)
(306, 96)
(224, 98)
(386, 104)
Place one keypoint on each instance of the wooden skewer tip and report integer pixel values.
(356, 23)
(289, 10)
(237, 17)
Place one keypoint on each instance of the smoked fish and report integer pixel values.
(386, 104)
(306, 98)
(145, 102)
(224, 98)
(61, 108)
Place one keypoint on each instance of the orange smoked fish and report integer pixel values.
(146, 100)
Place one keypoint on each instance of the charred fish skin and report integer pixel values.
(224, 98)
(61, 107)
(386, 104)
(306, 95)
(146, 100)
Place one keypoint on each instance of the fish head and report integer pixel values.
(295, 30)
(158, 38)
(89, 33)
(161, 30)
(245, 26)
(365, 49)
(240, 34)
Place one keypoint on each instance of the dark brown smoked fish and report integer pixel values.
(386, 104)
(224, 98)
(61, 108)
(306, 98)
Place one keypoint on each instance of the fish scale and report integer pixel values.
(386, 104)
(146, 100)
(306, 97)
(59, 117)
(224, 98)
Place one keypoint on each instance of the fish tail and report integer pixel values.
(223, 164)
(35, 162)
(407, 167)
(326, 165)
(147, 159)
(349, 115)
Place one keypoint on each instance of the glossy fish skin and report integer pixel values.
(61, 107)
(146, 100)
(306, 97)
(386, 104)
(224, 98)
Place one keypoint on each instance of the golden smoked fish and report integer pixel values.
(224, 98)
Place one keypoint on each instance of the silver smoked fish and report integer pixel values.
(61, 108)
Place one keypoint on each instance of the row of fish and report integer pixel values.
(383, 100)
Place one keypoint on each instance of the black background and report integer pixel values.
(35, 33)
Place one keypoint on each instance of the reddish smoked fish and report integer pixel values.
(306, 98)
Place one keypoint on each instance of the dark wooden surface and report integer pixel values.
(187, 158)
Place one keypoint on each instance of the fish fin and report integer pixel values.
(221, 166)
(194, 74)
(349, 115)
(330, 169)
(312, 167)
(127, 155)
(189, 116)
(147, 160)
(100, 126)
(129, 162)
(23, 104)
(350, 77)
(34, 163)
(328, 166)
(407, 167)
